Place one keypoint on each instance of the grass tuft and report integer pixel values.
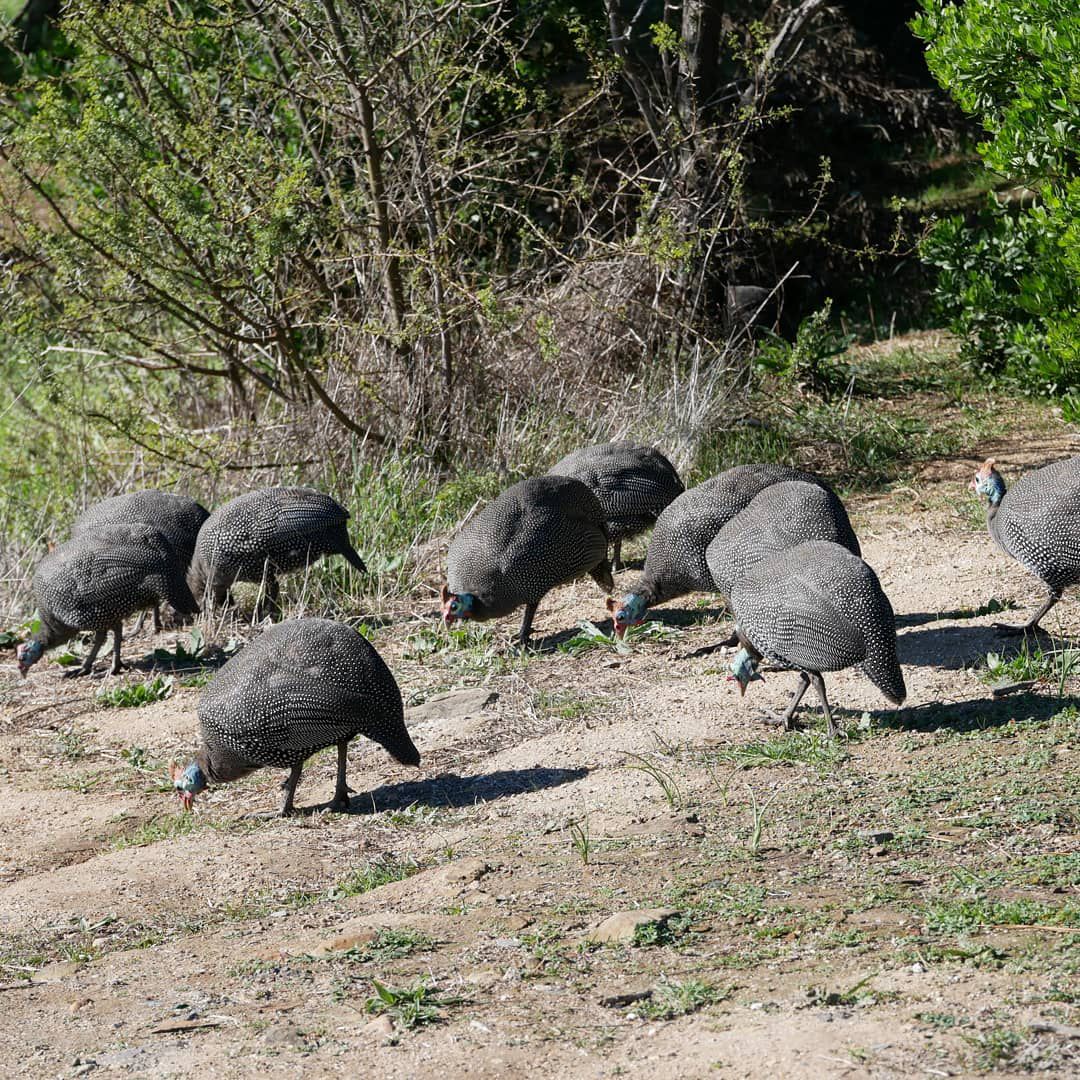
(135, 695)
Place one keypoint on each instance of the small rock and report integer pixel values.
(456, 704)
(917, 969)
(876, 836)
(622, 926)
(461, 871)
(381, 1028)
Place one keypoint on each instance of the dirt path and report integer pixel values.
(908, 905)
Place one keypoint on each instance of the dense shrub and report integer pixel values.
(1008, 280)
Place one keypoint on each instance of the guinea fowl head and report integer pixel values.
(744, 670)
(630, 611)
(988, 481)
(187, 782)
(28, 654)
(456, 606)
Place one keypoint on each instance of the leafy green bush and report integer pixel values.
(1008, 283)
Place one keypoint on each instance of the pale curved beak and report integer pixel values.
(187, 800)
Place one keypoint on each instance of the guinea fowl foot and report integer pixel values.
(77, 673)
(1015, 630)
(782, 720)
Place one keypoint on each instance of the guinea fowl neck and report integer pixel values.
(221, 765)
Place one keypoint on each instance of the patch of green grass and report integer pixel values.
(959, 916)
(135, 695)
(163, 827)
(995, 1047)
(1055, 665)
(672, 999)
(363, 879)
(410, 1006)
(942, 1021)
(791, 748)
(567, 705)
(392, 944)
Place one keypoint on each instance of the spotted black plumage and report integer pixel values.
(300, 687)
(536, 535)
(634, 484)
(97, 579)
(1037, 522)
(782, 516)
(817, 607)
(675, 563)
(263, 533)
(177, 517)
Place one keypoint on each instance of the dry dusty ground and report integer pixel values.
(908, 905)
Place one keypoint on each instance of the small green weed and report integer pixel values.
(591, 636)
(72, 744)
(411, 1006)
(182, 654)
(135, 695)
(579, 837)
(668, 784)
(415, 815)
(672, 999)
(660, 932)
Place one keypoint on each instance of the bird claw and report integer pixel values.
(788, 723)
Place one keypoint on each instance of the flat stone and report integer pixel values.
(622, 926)
(354, 939)
(454, 705)
(284, 1036)
(62, 969)
(876, 836)
(460, 871)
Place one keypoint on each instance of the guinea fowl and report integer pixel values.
(95, 581)
(536, 535)
(178, 517)
(300, 687)
(1037, 522)
(782, 516)
(634, 484)
(815, 607)
(263, 533)
(675, 563)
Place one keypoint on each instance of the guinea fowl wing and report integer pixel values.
(796, 622)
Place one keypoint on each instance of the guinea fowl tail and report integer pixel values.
(883, 670)
(401, 747)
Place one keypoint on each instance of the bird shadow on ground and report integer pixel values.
(451, 790)
(954, 648)
(978, 715)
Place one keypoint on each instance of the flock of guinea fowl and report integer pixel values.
(774, 542)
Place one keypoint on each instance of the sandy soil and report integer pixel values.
(136, 941)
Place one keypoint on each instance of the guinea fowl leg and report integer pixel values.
(526, 625)
(288, 786)
(1009, 629)
(342, 790)
(88, 664)
(616, 557)
(819, 686)
(155, 614)
(117, 638)
(786, 719)
(269, 602)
